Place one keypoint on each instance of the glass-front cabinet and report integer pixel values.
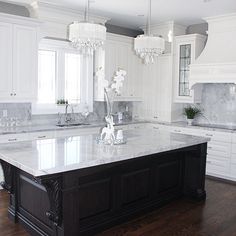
(186, 48)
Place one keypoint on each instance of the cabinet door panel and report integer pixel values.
(25, 62)
(122, 55)
(5, 60)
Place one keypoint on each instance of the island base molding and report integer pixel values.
(87, 201)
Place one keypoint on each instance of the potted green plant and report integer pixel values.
(62, 102)
(191, 112)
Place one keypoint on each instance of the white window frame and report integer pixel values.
(86, 92)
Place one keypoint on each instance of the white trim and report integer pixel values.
(20, 20)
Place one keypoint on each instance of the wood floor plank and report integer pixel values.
(214, 217)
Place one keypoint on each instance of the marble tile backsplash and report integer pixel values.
(218, 104)
(23, 113)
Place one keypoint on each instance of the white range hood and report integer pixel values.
(217, 62)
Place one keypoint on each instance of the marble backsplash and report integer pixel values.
(22, 113)
(218, 104)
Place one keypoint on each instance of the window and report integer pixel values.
(60, 69)
(184, 62)
(72, 78)
(47, 76)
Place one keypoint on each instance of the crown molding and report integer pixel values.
(59, 14)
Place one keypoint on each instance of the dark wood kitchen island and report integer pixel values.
(74, 186)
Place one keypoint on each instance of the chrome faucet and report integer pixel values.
(69, 116)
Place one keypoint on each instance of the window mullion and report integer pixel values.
(61, 75)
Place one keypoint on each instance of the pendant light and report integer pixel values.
(87, 36)
(148, 46)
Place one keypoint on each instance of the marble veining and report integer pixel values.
(50, 156)
(218, 104)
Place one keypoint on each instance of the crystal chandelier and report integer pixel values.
(148, 46)
(87, 36)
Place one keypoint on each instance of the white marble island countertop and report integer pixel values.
(51, 156)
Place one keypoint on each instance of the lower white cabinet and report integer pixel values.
(221, 150)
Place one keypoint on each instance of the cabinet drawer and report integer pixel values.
(234, 138)
(42, 135)
(14, 138)
(159, 127)
(234, 148)
(137, 126)
(217, 166)
(218, 136)
(233, 158)
(75, 132)
(233, 170)
(219, 149)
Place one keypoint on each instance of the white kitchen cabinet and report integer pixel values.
(219, 162)
(186, 50)
(12, 138)
(157, 90)
(18, 58)
(25, 54)
(5, 59)
(119, 53)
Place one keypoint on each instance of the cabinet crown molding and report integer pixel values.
(20, 20)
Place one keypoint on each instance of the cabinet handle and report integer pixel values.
(209, 162)
(155, 127)
(11, 94)
(12, 139)
(209, 135)
(155, 117)
(44, 136)
(209, 147)
(178, 131)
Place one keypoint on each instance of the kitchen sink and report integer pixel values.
(71, 124)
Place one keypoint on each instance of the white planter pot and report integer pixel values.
(190, 121)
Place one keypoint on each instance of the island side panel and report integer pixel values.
(195, 171)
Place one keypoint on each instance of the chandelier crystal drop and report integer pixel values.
(148, 46)
(87, 36)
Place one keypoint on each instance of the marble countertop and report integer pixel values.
(51, 156)
(227, 128)
(41, 128)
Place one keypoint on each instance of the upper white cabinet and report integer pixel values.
(118, 53)
(5, 60)
(186, 50)
(18, 58)
(25, 54)
(157, 90)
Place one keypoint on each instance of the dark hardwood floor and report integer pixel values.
(215, 217)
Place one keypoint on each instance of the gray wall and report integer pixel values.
(14, 9)
(197, 29)
(123, 31)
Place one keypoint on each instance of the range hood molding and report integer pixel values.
(217, 62)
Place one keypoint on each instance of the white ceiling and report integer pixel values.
(125, 12)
